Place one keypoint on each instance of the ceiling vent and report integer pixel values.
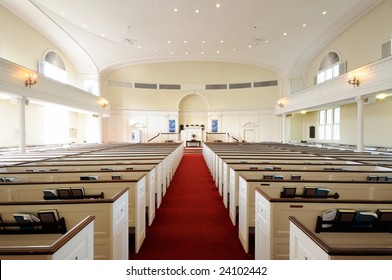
(240, 85)
(265, 84)
(169, 86)
(216, 86)
(147, 86)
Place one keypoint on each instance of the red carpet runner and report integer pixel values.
(192, 222)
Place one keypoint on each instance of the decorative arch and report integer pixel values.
(190, 94)
(55, 59)
(331, 58)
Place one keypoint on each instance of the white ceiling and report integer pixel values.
(223, 34)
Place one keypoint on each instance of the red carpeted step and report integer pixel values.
(192, 222)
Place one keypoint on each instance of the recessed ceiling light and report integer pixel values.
(218, 52)
(186, 52)
(266, 41)
(203, 41)
(139, 47)
(84, 25)
(185, 41)
(103, 35)
(217, 5)
(250, 46)
(197, 11)
(168, 41)
(202, 53)
(304, 25)
(171, 52)
(175, 9)
(63, 13)
(285, 34)
(221, 41)
(324, 13)
(234, 50)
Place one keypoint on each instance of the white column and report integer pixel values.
(360, 124)
(284, 128)
(100, 129)
(22, 124)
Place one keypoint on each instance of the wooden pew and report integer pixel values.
(326, 174)
(111, 215)
(105, 175)
(76, 244)
(272, 212)
(136, 202)
(305, 244)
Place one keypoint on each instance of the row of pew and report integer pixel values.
(270, 188)
(103, 193)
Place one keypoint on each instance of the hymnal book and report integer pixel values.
(87, 178)
(63, 192)
(278, 177)
(27, 219)
(382, 178)
(77, 192)
(364, 219)
(384, 215)
(295, 177)
(277, 168)
(54, 169)
(329, 216)
(372, 178)
(268, 168)
(243, 161)
(289, 191)
(48, 216)
(107, 169)
(253, 167)
(268, 177)
(116, 177)
(345, 215)
(309, 192)
(129, 168)
(48, 194)
(321, 192)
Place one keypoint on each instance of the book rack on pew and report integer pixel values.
(85, 196)
(33, 228)
(353, 226)
(289, 192)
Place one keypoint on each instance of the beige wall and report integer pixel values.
(25, 46)
(359, 44)
(191, 73)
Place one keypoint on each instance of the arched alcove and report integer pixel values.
(193, 110)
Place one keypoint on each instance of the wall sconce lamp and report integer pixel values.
(353, 80)
(31, 79)
(105, 104)
(280, 104)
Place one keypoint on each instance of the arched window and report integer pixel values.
(330, 67)
(53, 67)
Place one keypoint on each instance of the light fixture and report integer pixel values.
(280, 104)
(105, 104)
(353, 79)
(31, 79)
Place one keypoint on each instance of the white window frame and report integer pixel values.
(329, 125)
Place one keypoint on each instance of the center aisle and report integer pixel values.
(192, 222)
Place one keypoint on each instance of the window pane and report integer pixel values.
(329, 116)
(321, 132)
(322, 117)
(328, 74)
(328, 132)
(320, 77)
(336, 132)
(336, 115)
(335, 70)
